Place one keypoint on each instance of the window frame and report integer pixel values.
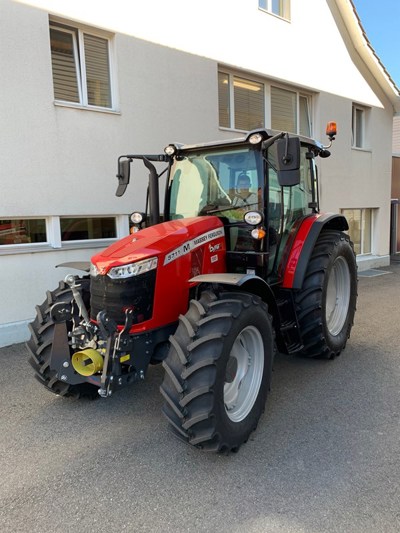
(53, 235)
(284, 10)
(362, 211)
(78, 32)
(308, 99)
(79, 218)
(29, 245)
(357, 128)
(267, 89)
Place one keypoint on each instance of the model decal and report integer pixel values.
(193, 244)
(214, 248)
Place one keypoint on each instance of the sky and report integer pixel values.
(381, 21)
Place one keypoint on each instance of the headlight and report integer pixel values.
(133, 269)
(253, 218)
(170, 150)
(137, 218)
(255, 138)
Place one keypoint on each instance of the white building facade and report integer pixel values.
(84, 82)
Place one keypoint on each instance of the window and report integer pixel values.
(358, 127)
(277, 7)
(283, 110)
(360, 229)
(79, 228)
(223, 100)
(290, 111)
(304, 116)
(243, 101)
(81, 67)
(213, 179)
(22, 231)
(37, 234)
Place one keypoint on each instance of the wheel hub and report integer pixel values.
(338, 296)
(244, 373)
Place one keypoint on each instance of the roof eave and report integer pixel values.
(367, 53)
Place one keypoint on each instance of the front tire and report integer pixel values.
(326, 304)
(41, 343)
(218, 370)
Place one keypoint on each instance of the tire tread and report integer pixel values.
(191, 368)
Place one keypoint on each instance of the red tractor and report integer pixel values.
(242, 264)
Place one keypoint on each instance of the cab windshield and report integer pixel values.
(218, 182)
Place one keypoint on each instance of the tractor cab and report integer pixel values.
(259, 186)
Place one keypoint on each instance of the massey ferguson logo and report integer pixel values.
(195, 243)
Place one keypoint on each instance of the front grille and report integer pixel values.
(116, 296)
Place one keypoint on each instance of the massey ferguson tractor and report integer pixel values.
(241, 264)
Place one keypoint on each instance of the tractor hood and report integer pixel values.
(167, 241)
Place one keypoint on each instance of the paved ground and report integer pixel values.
(325, 457)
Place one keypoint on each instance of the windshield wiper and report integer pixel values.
(213, 208)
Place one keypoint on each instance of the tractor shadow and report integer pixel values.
(308, 396)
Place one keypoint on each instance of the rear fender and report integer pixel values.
(303, 246)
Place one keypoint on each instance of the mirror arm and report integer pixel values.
(269, 142)
(287, 158)
(153, 198)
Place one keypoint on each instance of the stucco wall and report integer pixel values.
(65, 158)
(57, 160)
(358, 178)
(308, 51)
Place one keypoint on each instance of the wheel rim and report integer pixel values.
(244, 374)
(337, 296)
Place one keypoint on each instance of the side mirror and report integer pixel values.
(288, 161)
(124, 172)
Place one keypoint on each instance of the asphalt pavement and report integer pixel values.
(325, 456)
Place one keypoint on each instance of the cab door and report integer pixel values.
(287, 206)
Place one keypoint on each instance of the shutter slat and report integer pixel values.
(249, 104)
(223, 100)
(283, 110)
(63, 63)
(97, 71)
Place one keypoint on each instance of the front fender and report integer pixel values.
(247, 282)
(78, 265)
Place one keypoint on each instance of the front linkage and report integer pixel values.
(82, 351)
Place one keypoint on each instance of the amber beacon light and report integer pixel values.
(331, 130)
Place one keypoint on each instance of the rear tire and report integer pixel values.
(41, 342)
(327, 301)
(218, 370)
